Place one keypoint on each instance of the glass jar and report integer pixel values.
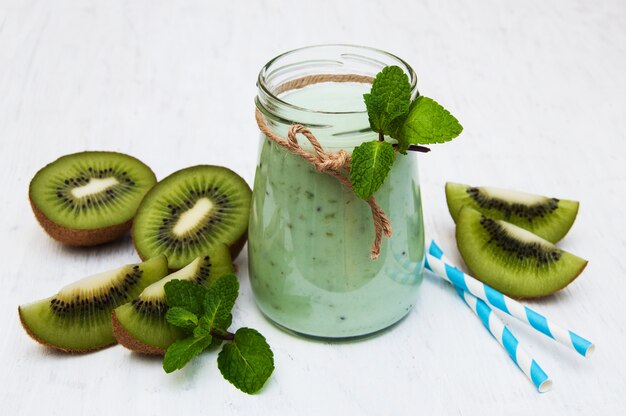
(309, 236)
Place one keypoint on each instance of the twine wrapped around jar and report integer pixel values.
(336, 164)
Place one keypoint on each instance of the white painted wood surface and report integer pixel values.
(539, 87)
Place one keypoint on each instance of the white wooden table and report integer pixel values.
(539, 87)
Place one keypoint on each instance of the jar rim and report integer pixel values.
(266, 72)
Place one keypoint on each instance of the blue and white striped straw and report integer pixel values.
(502, 302)
(505, 337)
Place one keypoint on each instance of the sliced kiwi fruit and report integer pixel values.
(191, 211)
(511, 259)
(549, 218)
(89, 198)
(140, 325)
(78, 318)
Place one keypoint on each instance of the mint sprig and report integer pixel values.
(392, 113)
(246, 359)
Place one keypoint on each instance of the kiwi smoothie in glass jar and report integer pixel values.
(310, 236)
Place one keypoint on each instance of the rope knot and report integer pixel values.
(331, 163)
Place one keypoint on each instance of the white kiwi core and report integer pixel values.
(523, 235)
(191, 218)
(94, 186)
(92, 283)
(513, 196)
(156, 289)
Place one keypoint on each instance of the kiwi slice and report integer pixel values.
(140, 325)
(89, 198)
(191, 211)
(549, 218)
(511, 259)
(78, 318)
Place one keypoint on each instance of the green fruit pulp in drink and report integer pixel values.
(310, 237)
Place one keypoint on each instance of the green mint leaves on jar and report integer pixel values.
(205, 315)
(392, 113)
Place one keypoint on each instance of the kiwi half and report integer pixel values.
(549, 218)
(78, 318)
(191, 211)
(140, 325)
(89, 198)
(511, 259)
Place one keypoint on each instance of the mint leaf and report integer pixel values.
(186, 294)
(247, 362)
(181, 318)
(182, 351)
(388, 100)
(428, 122)
(371, 163)
(219, 301)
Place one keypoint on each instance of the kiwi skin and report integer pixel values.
(238, 245)
(133, 344)
(78, 237)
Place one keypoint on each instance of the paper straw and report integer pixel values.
(505, 337)
(502, 302)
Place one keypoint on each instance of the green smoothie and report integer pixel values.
(310, 237)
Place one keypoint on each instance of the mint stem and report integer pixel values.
(223, 335)
(381, 136)
(416, 148)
